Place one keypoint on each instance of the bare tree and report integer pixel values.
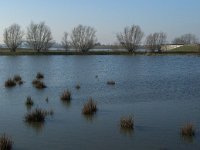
(39, 37)
(83, 38)
(65, 42)
(186, 39)
(13, 37)
(155, 41)
(131, 37)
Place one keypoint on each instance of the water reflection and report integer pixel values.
(188, 139)
(38, 127)
(90, 118)
(127, 132)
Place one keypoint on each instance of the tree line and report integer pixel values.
(83, 38)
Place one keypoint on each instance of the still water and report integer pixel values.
(161, 92)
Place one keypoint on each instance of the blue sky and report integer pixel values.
(175, 17)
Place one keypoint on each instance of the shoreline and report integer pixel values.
(29, 53)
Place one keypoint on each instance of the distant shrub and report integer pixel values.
(5, 143)
(89, 108)
(29, 101)
(188, 130)
(127, 123)
(39, 75)
(10, 83)
(66, 96)
(111, 82)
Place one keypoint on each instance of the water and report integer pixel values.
(161, 92)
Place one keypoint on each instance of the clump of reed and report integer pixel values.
(111, 82)
(6, 143)
(89, 108)
(66, 96)
(127, 123)
(78, 86)
(29, 102)
(10, 83)
(188, 130)
(17, 78)
(40, 85)
(38, 115)
(39, 76)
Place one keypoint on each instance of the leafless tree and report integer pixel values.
(155, 41)
(65, 42)
(83, 38)
(186, 39)
(131, 37)
(39, 36)
(13, 37)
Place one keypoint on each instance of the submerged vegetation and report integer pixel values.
(29, 102)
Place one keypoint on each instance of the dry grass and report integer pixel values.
(39, 76)
(5, 143)
(37, 115)
(40, 85)
(188, 130)
(29, 101)
(10, 83)
(127, 123)
(89, 108)
(111, 82)
(66, 96)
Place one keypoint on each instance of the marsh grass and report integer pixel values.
(17, 78)
(39, 76)
(6, 143)
(111, 82)
(10, 83)
(188, 130)
(78, 86)
(29, 102)
(66, 96)
(127, 123)
(89, 108)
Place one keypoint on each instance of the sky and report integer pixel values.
(108, 17)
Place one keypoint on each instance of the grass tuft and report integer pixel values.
(29, 101)
(188, 130)
(10, 83)
(90, 107)
(5, 143)
(39, 76)
(127, 123)
(111, 82)
(66, 96)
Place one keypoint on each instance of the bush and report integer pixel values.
(39, 75)
(188, 130)
(10, 83)
(29, 101)
(127, 123)
(89, 108)
(37, 115)
(111, 82)
(5, 143)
